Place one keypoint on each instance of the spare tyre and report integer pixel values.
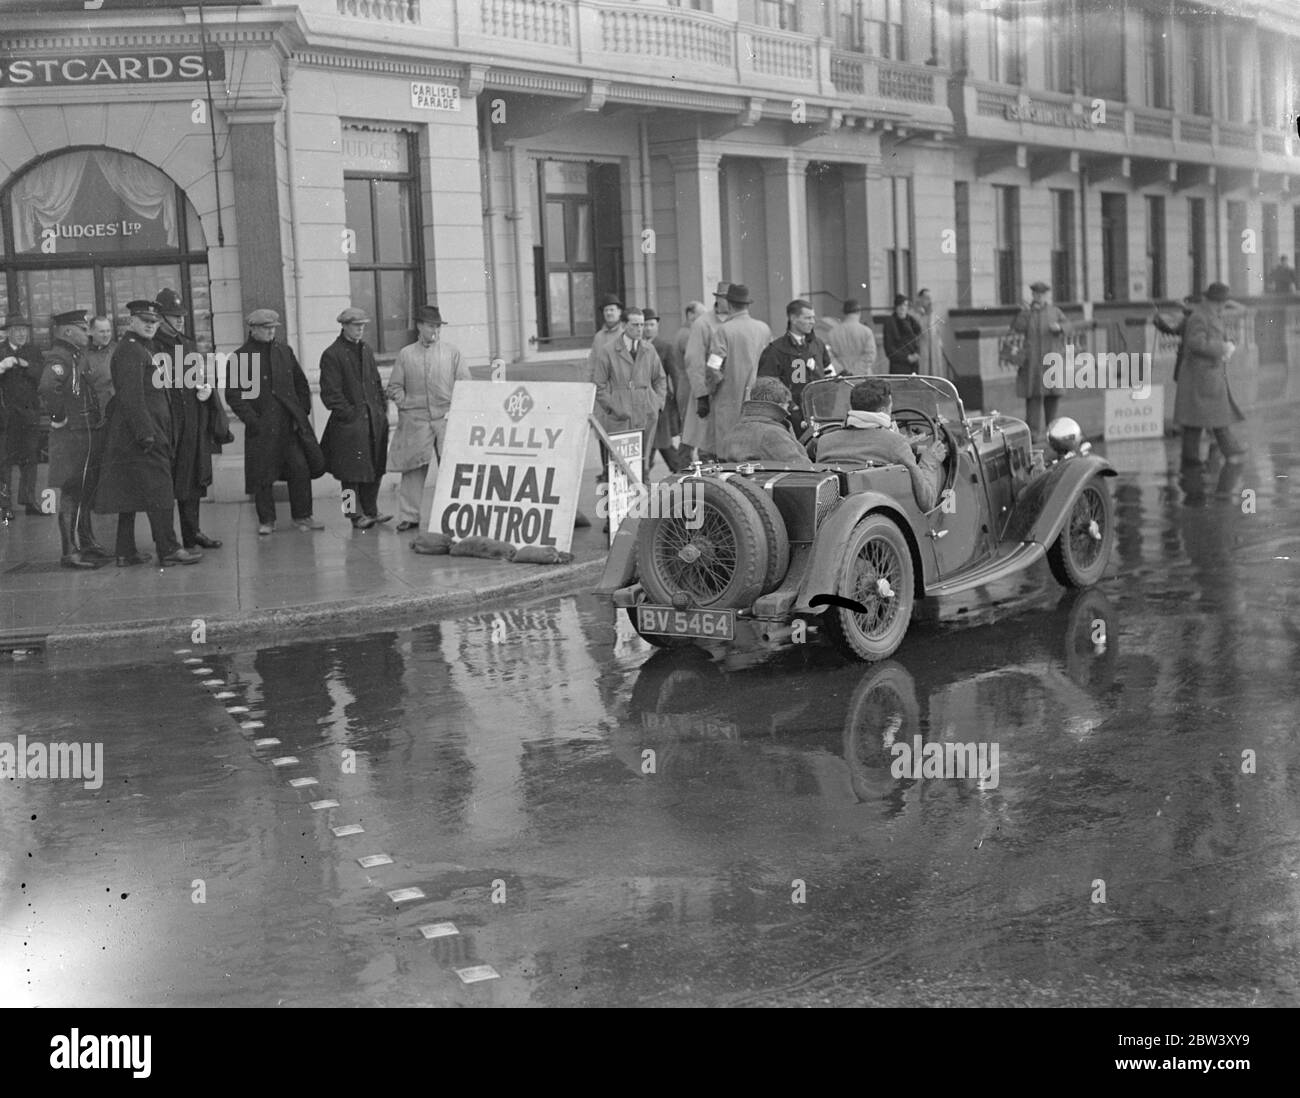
(714, 557)
(774, 531)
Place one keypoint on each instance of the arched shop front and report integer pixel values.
(95, 228)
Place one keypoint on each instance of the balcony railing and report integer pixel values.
(1153, 125)
(860, 74)
(783, 53)
(1195, 130)
(390, 11)
(1236, 136)
(665, 33)
(547, 22)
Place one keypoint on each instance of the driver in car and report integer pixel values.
(870, 434)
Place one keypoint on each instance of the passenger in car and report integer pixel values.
(763, 431)
(869, 434)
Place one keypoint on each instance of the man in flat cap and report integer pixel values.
(76, 439)
(696, 432)
(1045, 330)
(21, 367)
(730, 369)
(853, 344)
(277, 423)
(611, 312)
(1203, 400)
(421, 385)
(137, 468)
(199, 424)
(356, 435)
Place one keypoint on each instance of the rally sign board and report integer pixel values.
(512, 462)
(1127, 416)
(622, 490)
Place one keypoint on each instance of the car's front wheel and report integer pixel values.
(1081, 551)
(876, 574)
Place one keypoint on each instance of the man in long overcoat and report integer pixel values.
(199, 424)
(356, 435)
(1203, 399)
(76, 438)
(631, 388)
(421, 385)
(275, 416)
(137, 469)
(668, 430)
(696, 431)
(1045, 329)
(731, 367)
(21, 367)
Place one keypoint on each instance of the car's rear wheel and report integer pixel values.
(877, 575)
(1081, 551)
(715, 557)
(774, 532)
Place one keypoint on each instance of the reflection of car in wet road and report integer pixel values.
(772, 555)
(828, 730)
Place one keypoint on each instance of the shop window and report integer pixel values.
(96, 228)
(1062, 246)
(380, 201)
(1007, 253)
(1155, 246)
(579, 258)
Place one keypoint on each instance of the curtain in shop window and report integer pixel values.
(45, 195)
(143, 188)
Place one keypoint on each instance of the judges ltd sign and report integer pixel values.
(110, 69)
(512, 462)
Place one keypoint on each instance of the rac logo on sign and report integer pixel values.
(518, 404)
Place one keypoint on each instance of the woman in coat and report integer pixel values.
(275, 418)
(1045, 330)
(902, 338)
(356, 436)
(137, 471)
(1203, 399)
(631, 387)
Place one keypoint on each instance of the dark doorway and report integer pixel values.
(1114, 247)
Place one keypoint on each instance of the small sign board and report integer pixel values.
(435, 97)
(623, 492)
(512, 462)
(1128, 416)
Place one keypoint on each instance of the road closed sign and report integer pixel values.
(1130, 416)
(512, 462)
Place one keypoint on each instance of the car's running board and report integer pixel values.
(1021, 555)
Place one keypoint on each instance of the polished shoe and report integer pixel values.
(134, 558)
(266, 528)
(75, 560)
(205, 542)
(362, 522)
(180, 556)
(405, 525)
(308, 524)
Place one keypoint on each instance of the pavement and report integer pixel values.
(284, 587)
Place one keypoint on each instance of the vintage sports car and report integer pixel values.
(774, 555)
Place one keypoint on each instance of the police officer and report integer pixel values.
(76, 438)
(796, 358)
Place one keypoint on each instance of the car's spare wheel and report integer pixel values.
(774, 532)
(713, 553)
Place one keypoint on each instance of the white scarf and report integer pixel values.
(856, 418)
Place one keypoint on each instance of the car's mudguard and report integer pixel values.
(620, 565)
(1042, 509)
(833, 536)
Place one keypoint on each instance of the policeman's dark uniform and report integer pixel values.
(795, 360)
(76, 445)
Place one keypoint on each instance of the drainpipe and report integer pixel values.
(489, 234)
(294, 225)
(516, 216)
(647, 209)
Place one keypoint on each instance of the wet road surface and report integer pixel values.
(607, 825)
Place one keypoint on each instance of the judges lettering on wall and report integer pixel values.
(110, 69)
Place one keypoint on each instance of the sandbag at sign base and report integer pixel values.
(433, 545)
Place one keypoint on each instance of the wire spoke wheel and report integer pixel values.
(877, 574)
(1081, 551)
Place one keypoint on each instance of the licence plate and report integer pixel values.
(702, 624)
